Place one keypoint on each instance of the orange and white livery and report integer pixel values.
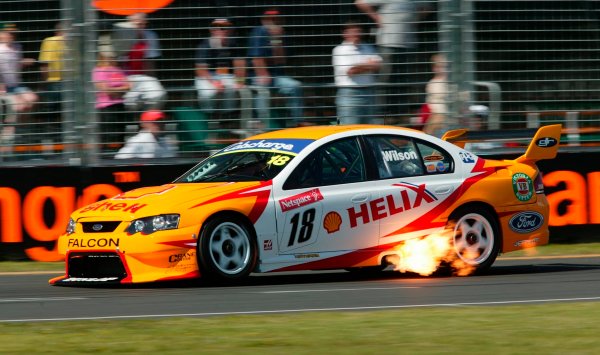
(313, 198)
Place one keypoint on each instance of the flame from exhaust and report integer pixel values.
(426, 255)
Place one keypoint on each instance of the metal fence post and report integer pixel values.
(83, 58)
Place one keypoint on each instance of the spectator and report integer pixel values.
(12, 63)
(437, 117)
(267, 51)
(355, 65)
(396, 38)
(150, 141)
(111, 84)
(137, 46)
(436, 99)
(220, 69)
(52, 66)
(146, 93)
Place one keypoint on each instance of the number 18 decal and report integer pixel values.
(302, 227)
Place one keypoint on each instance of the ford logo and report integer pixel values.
(525, 222)
(97, 227)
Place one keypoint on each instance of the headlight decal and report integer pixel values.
(148, 225)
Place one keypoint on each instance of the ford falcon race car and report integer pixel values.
(313, 198)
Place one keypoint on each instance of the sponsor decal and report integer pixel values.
(431, 167)
(393, 155)
(546, 142)
(522, 186)
(390, 205)
(527, 242)
(93, 243)
(306, 256)
(433, 158)
(281, 145)
(440, 167)
(332, 222)
(111, 206)
(90, 279)
(525, 222)
(268, 244)
(175, 258)
(303, 199)
(467, 157)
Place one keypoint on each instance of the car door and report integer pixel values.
(323, 205)
(416, 180)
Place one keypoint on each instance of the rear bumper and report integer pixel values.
(515, 237)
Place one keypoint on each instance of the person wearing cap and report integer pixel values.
(267, 52)
(220, 69)
(20, 97)
(150, 141)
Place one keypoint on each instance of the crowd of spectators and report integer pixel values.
(369, 78)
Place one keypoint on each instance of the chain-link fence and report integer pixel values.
(77, 76)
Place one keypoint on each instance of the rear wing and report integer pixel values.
(544, 144)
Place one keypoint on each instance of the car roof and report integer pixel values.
(318, 132)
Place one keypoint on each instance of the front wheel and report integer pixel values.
(476, 238)
(227, 250)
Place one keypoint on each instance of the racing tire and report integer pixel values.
(476, 237)
(227, 250)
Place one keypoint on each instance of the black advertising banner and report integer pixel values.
(35, 202)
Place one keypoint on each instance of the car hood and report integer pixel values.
(169, 198)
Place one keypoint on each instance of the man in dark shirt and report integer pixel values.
(267, 52)
(220, 68)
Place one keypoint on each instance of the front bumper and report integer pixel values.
(119, 258)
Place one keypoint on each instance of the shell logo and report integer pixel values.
(332, 222)
(129, 7)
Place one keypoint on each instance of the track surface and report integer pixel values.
(30, 298)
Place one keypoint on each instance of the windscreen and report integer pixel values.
(252, 160)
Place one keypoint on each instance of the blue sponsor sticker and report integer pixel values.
(440, 166)
(293, 146)
(525, 222)
(467, 157)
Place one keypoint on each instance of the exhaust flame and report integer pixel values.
(426, 255)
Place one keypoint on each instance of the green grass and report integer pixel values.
(567, 328)
(558, 250)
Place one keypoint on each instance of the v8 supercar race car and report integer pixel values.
(313, 198)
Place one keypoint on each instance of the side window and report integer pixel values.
(435, 159)
(338, 162)
(395, 156)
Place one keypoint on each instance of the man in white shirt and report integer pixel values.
(150, 141)
(355, 65)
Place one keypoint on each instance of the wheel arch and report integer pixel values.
(231, 213)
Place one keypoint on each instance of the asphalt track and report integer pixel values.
(28, 297)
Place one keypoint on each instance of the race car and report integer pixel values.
(313, 198)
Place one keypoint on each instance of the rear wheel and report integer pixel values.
(476, 237)
(227, 250)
